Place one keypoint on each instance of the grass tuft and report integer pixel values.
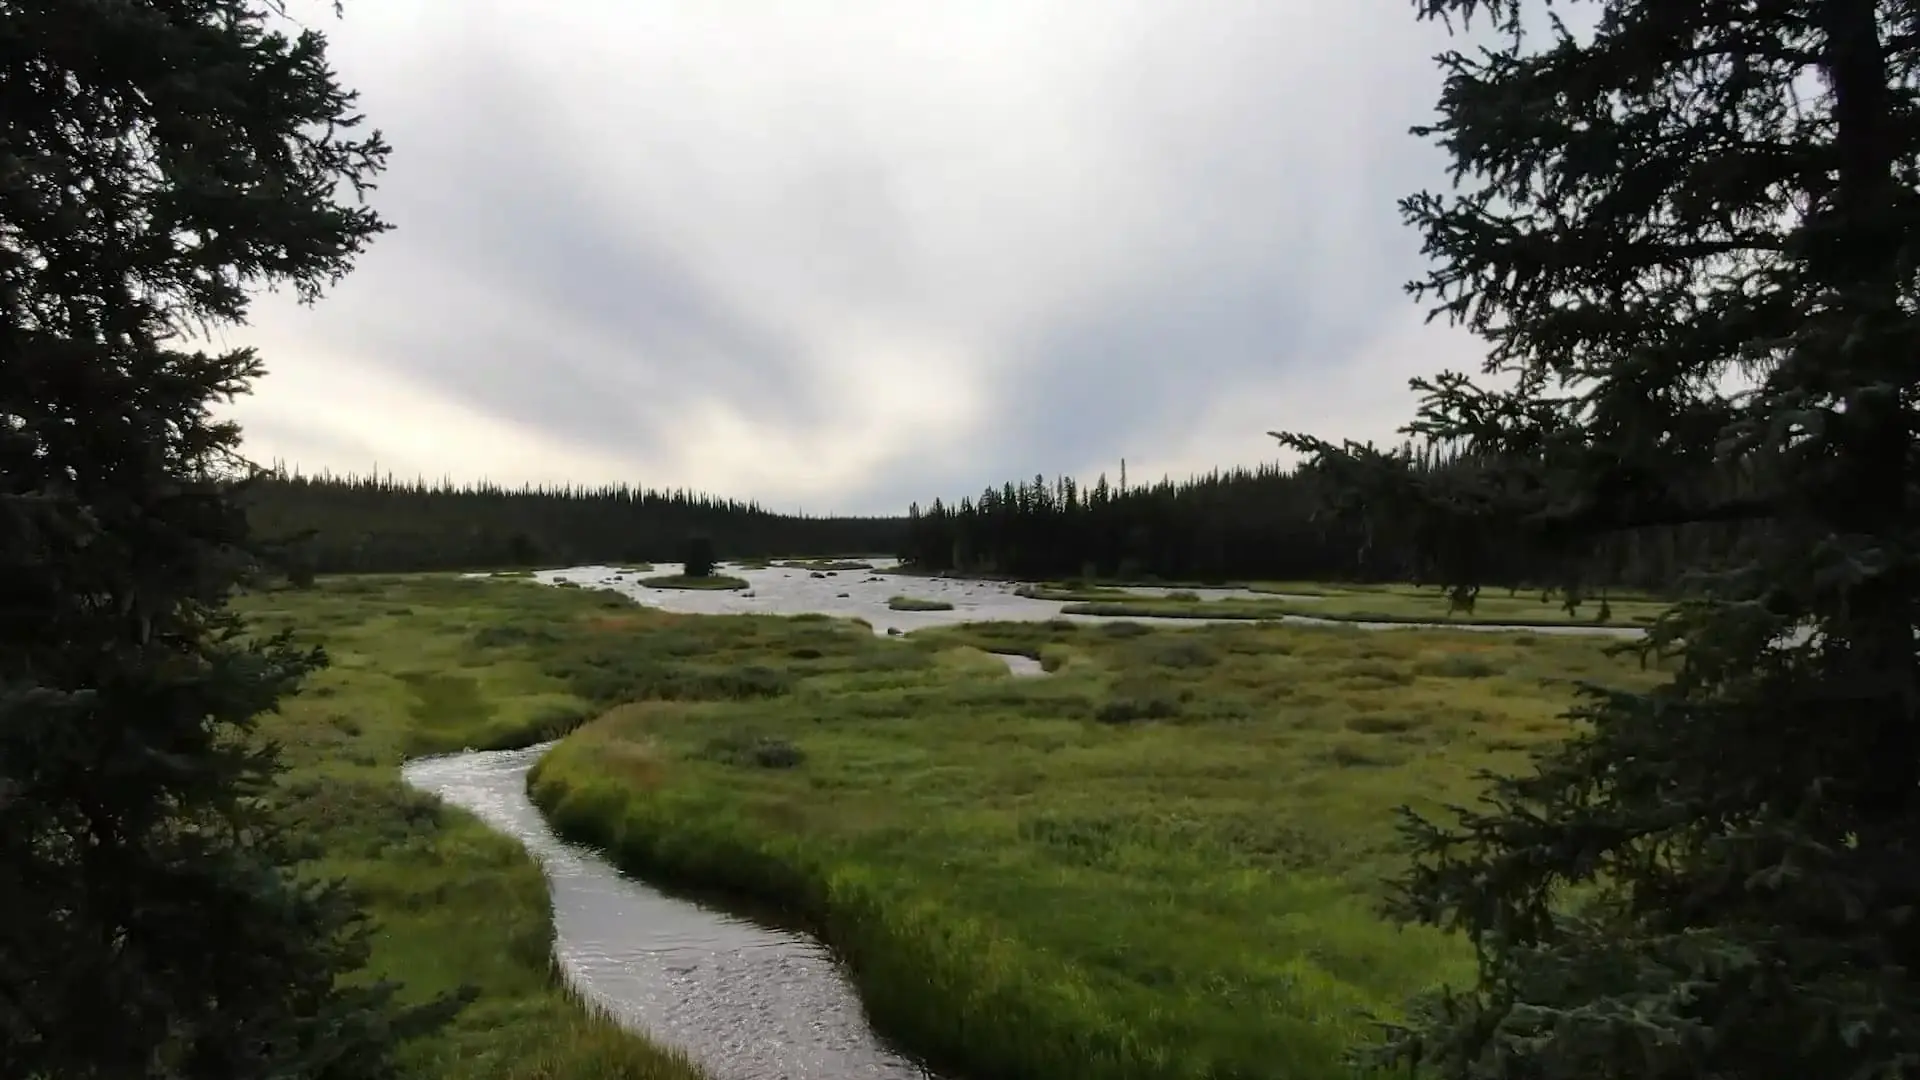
(717, 582)
(917, 603)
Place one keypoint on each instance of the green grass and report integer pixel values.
(1160, 862)
(635, 568)
(1393, 603)
(825, 565)
(918, 603)
(1360, 603)
(715, 582)
(423, 665)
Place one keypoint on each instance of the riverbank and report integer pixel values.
(1393, 604)
(455, 903)
(1159, 862)
(867, 595)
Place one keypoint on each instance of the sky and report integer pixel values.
(837, 255)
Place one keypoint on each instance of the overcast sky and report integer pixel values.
(841, 255)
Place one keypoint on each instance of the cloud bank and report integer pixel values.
(838, 256)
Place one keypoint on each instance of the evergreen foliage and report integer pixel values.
(698, 557)
(1689, 236)
(372, 524)
(1261, 523)
(157, 159)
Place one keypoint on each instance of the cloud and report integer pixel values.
(845, 255)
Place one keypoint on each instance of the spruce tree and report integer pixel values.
(697, 558)
(158, 159)
(1687, 232)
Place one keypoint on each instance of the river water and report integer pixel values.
(862, 594)
(745, 1001)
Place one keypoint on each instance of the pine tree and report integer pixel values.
(157, 159)
(1688, 233)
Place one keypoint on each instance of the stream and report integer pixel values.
(743, 1000)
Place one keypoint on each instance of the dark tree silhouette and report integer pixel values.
(1265, 523)
(1691, 237)
(156, 161)
(377, 525)
(698, 556)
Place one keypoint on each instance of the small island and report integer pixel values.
(716, 582)
(915, 603)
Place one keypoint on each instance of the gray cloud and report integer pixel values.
(845, 261)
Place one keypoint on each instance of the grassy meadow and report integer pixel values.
(455, 904)
(1357, 603)
(1162, 861)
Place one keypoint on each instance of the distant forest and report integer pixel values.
(330, 524)
(1244, 524)
(1266, 523)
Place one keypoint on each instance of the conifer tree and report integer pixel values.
(697, 558)
(158, 158)
(1688, 234)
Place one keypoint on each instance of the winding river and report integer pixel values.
(744, 1000)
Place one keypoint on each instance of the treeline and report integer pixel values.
(1269, 522)
(371, 524)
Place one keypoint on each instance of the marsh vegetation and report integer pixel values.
(419, 668)
(1368, 603)
(1104, 867)
(1160, 861)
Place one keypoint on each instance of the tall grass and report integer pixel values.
(1160, 862)
(1369, 603)
(455, 904)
